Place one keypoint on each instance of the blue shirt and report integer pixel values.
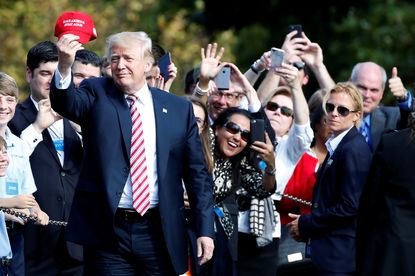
(5, 249)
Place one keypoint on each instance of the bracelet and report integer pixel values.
(201, 92)
(254, 70)
(254, 67)
(270, 173)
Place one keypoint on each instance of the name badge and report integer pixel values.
(58, 145)
(12, 188)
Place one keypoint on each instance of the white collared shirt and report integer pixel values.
(144, 105)
(334, 141)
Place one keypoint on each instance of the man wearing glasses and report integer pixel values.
(218, 100)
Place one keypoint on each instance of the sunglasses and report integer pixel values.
(234, 129)
(342, 110)
(298, 64)
(286, 111)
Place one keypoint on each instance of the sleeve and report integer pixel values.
(62, 83)
(31, 137)
(351, 173)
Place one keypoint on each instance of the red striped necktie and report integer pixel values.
(138, 172)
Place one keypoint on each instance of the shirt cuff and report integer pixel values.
(255, 107)
(62, 83)
(31, 137)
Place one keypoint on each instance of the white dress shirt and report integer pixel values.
(144, 104)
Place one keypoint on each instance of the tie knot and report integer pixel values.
(131, 100)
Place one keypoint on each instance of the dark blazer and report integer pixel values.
(101, 109)
(332, 222)
(386, 222)
(55, 187)
(385, 119)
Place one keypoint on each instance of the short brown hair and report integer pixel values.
(8, 86)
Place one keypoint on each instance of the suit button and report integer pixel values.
(315, 205)
(59, 198)
(63, 173)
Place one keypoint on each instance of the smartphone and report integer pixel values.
(296, 27)
(163, 64)
(223, 78)
(257, 130)
(277, 57)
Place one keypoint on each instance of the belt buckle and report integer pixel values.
(130, 214)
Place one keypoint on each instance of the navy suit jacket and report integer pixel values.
(332, 222)
(102, 110)
(55, 185)
(385, 229)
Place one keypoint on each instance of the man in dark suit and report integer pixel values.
(55, 161)
(106, 217)
(331, 225)
(385, 229)
(370, 78)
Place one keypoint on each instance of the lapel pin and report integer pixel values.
(329, 162)
(164, 110)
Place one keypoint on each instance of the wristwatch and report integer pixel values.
(270, 173)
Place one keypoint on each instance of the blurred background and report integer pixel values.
(348, 31)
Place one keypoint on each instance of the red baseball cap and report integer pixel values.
(77, 23)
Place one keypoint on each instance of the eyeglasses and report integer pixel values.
(286, 111)
(298, 64)
(342, 110)
(234, 129)
(228, 96)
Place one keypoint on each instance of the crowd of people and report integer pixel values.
(151, 183)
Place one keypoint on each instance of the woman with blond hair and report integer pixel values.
(331, 226)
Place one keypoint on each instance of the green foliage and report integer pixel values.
(383, 34)
(381, 31)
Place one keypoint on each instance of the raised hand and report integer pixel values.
(293, 46)
(311, 53)
(67, 46)
(290, 75)
(210, 65)
(46, 116)
(396, 85)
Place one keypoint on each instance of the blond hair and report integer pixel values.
(350, 89)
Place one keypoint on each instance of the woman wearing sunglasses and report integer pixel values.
(287, 111)
(331, 226)
(234, 168)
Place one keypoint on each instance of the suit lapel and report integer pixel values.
(117, 98)
(69, 139)
(328, 162)
(161, 117)
(377, 123)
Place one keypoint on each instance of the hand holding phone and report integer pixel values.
(257, 130)
(223, 78)
(277, 57)
(163, 64)
(298, 28)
